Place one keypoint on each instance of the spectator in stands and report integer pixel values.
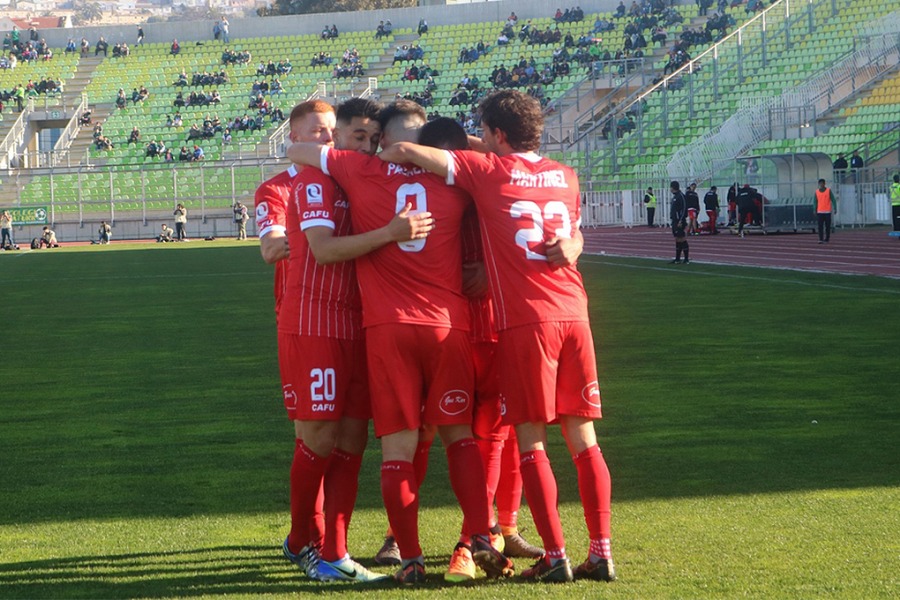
(379, 31)
(177, 120)
(175, 48)
(422, 29)
(169, 157)
(70, 46)
(824, 204)
(184, 155)
(101, 46)
(85, 47)
(856, 163)
(840, 167)
(152, 150)
(226, 136)
(197, 155)
(48, 238)
(140, 36)
(121, 100)
(165, 234)
(135, 136)
(85, 118)
(277, 115)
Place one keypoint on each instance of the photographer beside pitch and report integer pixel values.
(545, 349)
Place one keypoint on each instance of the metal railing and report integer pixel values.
(278, 138)
(69, 133)
(9, 147)
(752, 124)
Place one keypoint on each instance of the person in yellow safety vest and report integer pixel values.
(824, 205)
(650, 201)
(895, 203)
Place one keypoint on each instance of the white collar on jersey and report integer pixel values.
(530, 156)
(292, 171)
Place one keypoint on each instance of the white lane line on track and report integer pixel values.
(690, 271)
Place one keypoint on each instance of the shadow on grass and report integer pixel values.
(158, 392)
(251, 570)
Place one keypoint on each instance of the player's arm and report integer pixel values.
(477, 144)
(431, 159)
(274, 246)
(328, 248)
(563, 252)
(305, 153)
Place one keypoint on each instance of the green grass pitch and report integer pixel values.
(751, 427)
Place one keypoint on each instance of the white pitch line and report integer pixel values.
(689, 270)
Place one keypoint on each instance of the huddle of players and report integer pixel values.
(434, 363)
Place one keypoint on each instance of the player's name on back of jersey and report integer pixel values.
(544, 179)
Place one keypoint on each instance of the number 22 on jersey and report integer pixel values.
(531, 237)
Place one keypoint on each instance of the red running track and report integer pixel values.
(850, 251)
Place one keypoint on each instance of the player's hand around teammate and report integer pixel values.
(564, 252)
(407, 225)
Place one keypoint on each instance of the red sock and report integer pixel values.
(420, 462)
(595, 487)
(467, 479)
(307, 472)
(541, 492)
(317, 520)
(491, 451)
(400, 493)
(509, 488)
(341, 484)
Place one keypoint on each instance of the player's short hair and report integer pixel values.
(309, 107)
(896, 178)
(821, 181)
(675, 185)
(357, 107)
(445, 133)
(398, 108)
(517, 115)
(713, 188)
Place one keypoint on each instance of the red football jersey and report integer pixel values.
(271, 210)
(417, 282)
(320, 300)
(523, 201)
(481, 313)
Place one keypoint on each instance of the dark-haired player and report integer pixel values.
(416, 321)
(547, 371)
(322, 353)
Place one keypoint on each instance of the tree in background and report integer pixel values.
(86, 12)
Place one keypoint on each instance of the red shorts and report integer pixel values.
(692, 213)
(419, 375)
(486, 423)
(547, 370)
(323, 379)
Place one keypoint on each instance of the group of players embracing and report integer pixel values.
(432, 288)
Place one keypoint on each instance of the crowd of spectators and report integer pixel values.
(235, 57)
(351, 65)
(571, 15)
(470, 55)
(203, 79)
(197, 99)
(329, 33)
(121, 50)
(32, 49)
(384, 29)
(411, 52)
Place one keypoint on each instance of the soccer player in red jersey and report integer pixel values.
(545, 350)
(321, 350)
(416, 321)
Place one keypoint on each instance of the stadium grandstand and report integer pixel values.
(766, 93)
